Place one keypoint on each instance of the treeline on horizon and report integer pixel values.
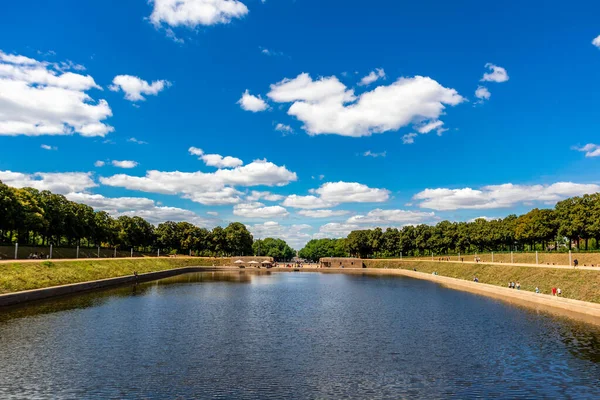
(572, 222)
(40, 218)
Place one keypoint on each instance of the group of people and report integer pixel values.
(517, 285)
(36, 256)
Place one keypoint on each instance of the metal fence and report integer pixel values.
(17, 252)
(535, 257)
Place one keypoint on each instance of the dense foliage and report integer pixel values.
(276, 248)
(318, 248)
(29, 216)
(573, 222)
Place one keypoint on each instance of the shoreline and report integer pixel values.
(576, 309)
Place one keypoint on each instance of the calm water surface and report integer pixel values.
(292, 335)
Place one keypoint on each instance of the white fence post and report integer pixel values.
(570, 258)
(115, 252)
(51, 252)
(77, 251)
(98, 251)
(190, 252)
(458, 256)
(132, 252)
(158, 253)
(16, 250)
(400, 255)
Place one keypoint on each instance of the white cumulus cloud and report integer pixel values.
(126, 164)
(48, 147)
(268, 196)
(38, 98)
(497, 74)
(296, 236)
(331, 194)
(141, 207)
(56, 182)
(252, 103)
(191, 13)
(336, 230)
(322, 213)
(285, 129)
(409, 138)
(111, 204)
(216, 160)
(596, 41)
(134, 87)
(213, 188)
(160, 214)
(373, 76)
(351, 192)
(482, 93)
(259, 210)
(500, 196)
(327, 106)
(380, 217)
(306, 202)
(590, 150)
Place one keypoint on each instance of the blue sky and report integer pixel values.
(355, 115)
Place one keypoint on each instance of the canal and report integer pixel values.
(292, 335)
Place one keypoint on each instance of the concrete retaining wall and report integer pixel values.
(46, 293)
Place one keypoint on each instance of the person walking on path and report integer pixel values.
(575, 263)
(553, 291)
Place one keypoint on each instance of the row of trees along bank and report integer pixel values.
(32, 217)
(574, 222)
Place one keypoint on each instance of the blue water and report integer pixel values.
(292, 335)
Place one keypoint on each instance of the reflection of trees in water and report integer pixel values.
(201, 277)
(582, 340)
(50, 306)
(101, 296)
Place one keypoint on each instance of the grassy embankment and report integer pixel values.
(575, 284)
(529, 258)
(15, 277)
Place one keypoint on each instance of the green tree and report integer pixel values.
(276, 248)
(359, 243)
(30, 214)
(9, 210)
(239, 240)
